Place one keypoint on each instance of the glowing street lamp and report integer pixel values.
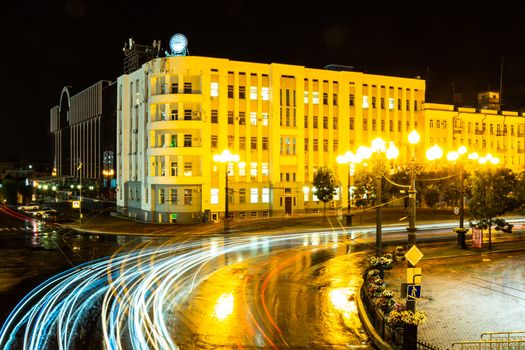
(226, 157)
(351, 159)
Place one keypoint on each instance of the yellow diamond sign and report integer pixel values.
(413, 255)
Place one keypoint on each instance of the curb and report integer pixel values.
(370, 330)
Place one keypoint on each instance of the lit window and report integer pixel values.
(314, 197)
(242, 168)
(187, 169)
(306, 97)
(264, 169)
(253, 169)
(214, 196)
(306, 193)
(315, 97)
(265, 94)
(336, 194)
(214, 89)
(253, 118)
(365, 102)
(253, 92)
(264, 119)
(391, 103)
(254, 195)
(188, 196)
(266, 195)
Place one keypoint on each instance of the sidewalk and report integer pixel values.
(466, 292)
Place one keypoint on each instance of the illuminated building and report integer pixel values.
(284, 121)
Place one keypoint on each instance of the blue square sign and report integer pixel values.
(413, 291)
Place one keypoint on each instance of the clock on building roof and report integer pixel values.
(178, 45)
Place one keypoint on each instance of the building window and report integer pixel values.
(373, 125)
(242, 168)
(365, 124)
(306, 122)
(264, 119)
(214, 116)
(351, 123)
(174, 88)
(334, 99)
(242, 195)
(438, 124)
(264, 169)
(214, 89)
(398, 104)
(253, 143)
(162, 196)
(187, 140)
(382, 125)
(415, 105)
(391, 125)
(173, 142)
(391, 103)
(407, 105)
(174, 169)
(315, 122)
(306, 97)
(266, 195)
(325, 122)
(188, 169)
(231, 140)
(365, 102)
(265, 143)
(242, 142)
(265, 94)
(315, 97)
(253, 118)
(230, 91)
(382, 103)
(230, 117)
(325, 98)
(214, 141)
(325, 145)
(214, 196)
(253, 92)
(373, 102)
(174, 114)
(187, 88)
(242, 92)
(242, 118)
(306, 144)
(335, 121)
(253, 169)
(254, 195)
(188, 192)
(351, 100)
(187, 114)
(431, 123)
(173, 196)
(316, 145)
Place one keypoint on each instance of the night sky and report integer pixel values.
(47, 45)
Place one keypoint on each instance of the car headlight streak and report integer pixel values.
(134, 292)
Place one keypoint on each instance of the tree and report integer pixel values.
(492, 195)
(324, 183)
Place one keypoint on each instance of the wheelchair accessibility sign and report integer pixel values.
(413, 291)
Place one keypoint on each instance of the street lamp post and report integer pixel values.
(351, 159)
(226, 157)
(379, 147)
(453, 157)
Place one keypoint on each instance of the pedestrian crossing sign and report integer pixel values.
(413, 291)
(76, 204)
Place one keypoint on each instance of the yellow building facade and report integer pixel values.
(283, 121)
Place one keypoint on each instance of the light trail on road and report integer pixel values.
(131, 294)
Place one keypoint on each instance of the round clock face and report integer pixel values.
(178, 43)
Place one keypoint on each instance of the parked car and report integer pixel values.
(29, 207)
(45, 213)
